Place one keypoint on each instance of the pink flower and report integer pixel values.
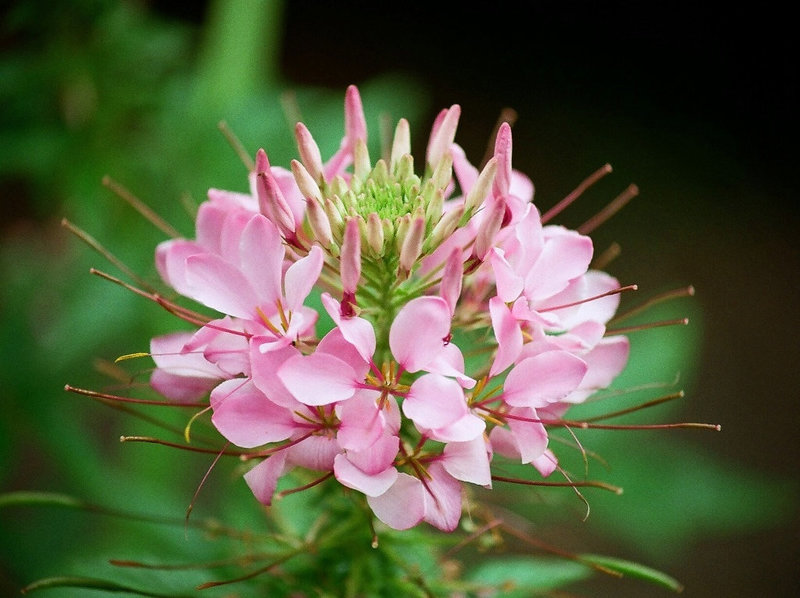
(408, 272)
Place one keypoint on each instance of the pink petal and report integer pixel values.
(443, 135)
(442, 499)
(434, 401)
(546, 463)
(418, 332)
(508, 334)
(468, 427)
(450, 287)
(530, 437)
(318, 379)
(350, 258)
(261, 257)
(361, 422)
(315, 452)
(263, 478)
(246, 417)
(179, 387)
(468, 461)
(301, 278)
(377, 457)
(565, 256)
(544, 378)
(220, 285)
(502, 151)
(402, 506)
(509, 284)
(370, 484)
(336, 343)
(357, 331)
(264, 368)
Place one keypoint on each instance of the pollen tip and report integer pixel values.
(690, 290)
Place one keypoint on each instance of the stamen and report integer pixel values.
(570, 484)
(311, 484)
(677, 395)
(237, 146)
(673, 294)
(630, 287)
(576, 193)
(183, 447)
(143, 209)
(256, 573)
(173, 308)
(103, 397)
(649, 325)
(609, 255)
(202, 483)
(94, 244)
(612, 208)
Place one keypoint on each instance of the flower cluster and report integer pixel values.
(411, 269)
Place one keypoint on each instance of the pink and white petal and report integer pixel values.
(315, 452)
(509, 283)
(361, 422)
(434, 401)
(418, 332)
(233, 200)
(264, 366)
(260, 255)
(468, 461)
(605, 361)
(171, 262)
(220, 285)
(544, 378)
(180, 387)
(530, 437)
(211, 217)
(450, 362)
(263, 478)
(442, 499)
(503, 443)
(402, 506)
(377, 457)
(546, 463)
(465, 172)
(335, 343)
(502, 152)
(357, 331)
(508, 333)
(246, 417)
(452, 277)
(521, 186)
(301, 277)
(370, 484)
(318, 379)
(468, 427)
(565, 256)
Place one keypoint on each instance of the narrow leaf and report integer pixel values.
(88, 583)
(635, 570)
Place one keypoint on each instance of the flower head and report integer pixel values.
(408, 265)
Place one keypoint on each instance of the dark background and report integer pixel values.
(697, 105)
(694, 104)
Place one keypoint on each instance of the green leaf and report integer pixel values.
(635, 570)
(520, 576)
(89, 583)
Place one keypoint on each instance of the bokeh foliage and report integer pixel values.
(99, 87)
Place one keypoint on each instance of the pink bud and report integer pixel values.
(351, 257)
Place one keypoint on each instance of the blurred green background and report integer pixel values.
(696, 107)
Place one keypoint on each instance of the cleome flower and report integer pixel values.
(413, 266)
